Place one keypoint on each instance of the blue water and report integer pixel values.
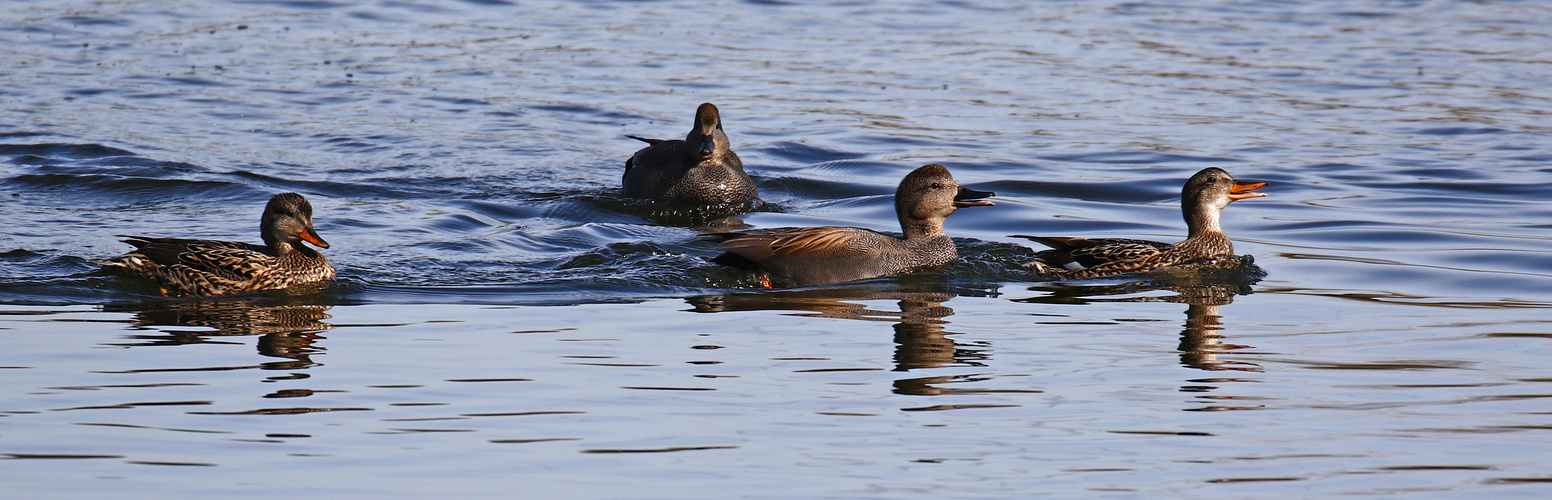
(506, 322)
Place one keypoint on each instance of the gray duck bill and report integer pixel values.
(967, 197)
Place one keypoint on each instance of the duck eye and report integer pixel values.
(937, 185)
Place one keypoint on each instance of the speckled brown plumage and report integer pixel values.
(701, 169)
(814, 256)
(1201, 200)
(212, 267)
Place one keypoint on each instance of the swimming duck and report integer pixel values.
(700, 169)
(211, 267)
(823, 255)
(1201, 200)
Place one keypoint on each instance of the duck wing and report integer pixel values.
(229, 260)
(1085, 253)
(648, 172)
(650, 142)
(825, 242)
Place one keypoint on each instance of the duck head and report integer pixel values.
(288, 219)
(1208, 192)
(928, 195)
(707, 141)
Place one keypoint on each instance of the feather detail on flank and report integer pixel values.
(213, 267)
(833, 254)
(1203, 197)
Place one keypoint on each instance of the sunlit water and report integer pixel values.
(505, 323)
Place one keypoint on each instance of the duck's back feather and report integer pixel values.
(1083, 253)
(215, 267)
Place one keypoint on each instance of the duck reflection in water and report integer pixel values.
(285, 330)
(1202, 290)
(921, 342)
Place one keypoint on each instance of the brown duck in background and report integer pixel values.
(1201, 200)
(813, 256)
(211, 267)
(701, 169)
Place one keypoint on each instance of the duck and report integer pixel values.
(193, 267)
(814, 256)
(702, 169)
(1202, 200)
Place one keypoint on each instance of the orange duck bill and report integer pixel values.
(311, 236)
(1242, 190)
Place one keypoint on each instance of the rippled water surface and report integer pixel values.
(506, 322)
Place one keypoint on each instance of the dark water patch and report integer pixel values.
(799, 153)
(1535, 158)
(1397, 365)
(71, 290)
(461, 101)
(1112, 191)
(171, 464)
(610, 208)
(1455, 131)
(331, 188)
(1255, 479)
(901, 141)
(278, 411)
(133, 405)
(298, 4)
(959, 407)
(1443, 173)
(79, 20)
(491, 380)
(523, 413)
(1519, 480)
(119, 386)
(531, 440)
(599, 115)
(1381, 236)
(127, 186)
(1468, 192)
(815, 189)
(57, 456)
(134, 426)
(670, 449)
(1135, 158)
(62, 150)
(1165, 433)
(501, 212)
(42, 266)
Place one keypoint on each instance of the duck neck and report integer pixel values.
(276, 246)
(1204, 236)
(916, 229)
(289, 250)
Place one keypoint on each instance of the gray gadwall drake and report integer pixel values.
(823, 255)
(1205, 195)
(701, 169)
(211, 267)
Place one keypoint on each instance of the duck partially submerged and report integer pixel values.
(813, 256)
(213, 267)
(701, 169)
(1201, 200)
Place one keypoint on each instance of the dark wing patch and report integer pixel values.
(1118, 251)
(1085, 253)
(231, 262)
(226, 259)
